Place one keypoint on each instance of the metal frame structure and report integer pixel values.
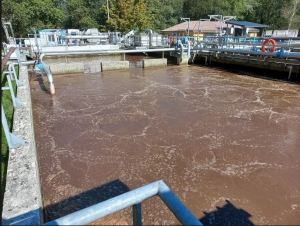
(6, 24)
(12, 140)
(16, 101)
(200, 26)
(131, 198)
(222, 19)
(187, 20)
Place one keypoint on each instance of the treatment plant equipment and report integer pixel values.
(259, 53)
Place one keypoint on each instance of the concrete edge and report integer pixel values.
(154, 62)
(87, 67)
(22, 203)
(38, 181)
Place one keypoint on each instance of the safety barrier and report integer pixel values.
(12, 140)
(131, 198)
(11, 75)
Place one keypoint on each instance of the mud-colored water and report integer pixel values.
(227, 144)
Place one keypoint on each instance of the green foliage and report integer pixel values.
(82, 14)
(127, 15)
(25, 14)
(164, 13)
(291, 14)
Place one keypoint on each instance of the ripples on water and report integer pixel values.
(209, 134)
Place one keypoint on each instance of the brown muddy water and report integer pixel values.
(227, 144)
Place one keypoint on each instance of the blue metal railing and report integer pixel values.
(131, 198)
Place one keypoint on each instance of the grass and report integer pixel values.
(9, 112)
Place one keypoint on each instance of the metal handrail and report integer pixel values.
(104, 52)
(131, 198)
(13, 141)
(295, 55)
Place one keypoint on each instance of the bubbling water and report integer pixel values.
(223, 142)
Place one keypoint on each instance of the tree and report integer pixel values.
(200, 9)
(127, 15)
(164, 13)
(26, 14)
(268, 12)
(83, 14)
(291, 13)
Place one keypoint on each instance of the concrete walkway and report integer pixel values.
(22, 198)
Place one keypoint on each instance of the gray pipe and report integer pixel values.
(251, 44)
(12, 68)
(113, 205)
(84, 36)
(104, 52)
(50, 79)
(181, 50)
(43, 68)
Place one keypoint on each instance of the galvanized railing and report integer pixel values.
(13, 141)
(132, 198)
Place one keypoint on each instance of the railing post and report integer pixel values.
(16, 101)
(12, 70)
(12, 140)
(137, 214)
(290, 72)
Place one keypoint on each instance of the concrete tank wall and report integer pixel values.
(114, 65)
(87, 67)
(82, 58)
(154, 62)
(63, 68)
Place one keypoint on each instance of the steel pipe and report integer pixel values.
(134, 197)
(104, 52)
(247, 44)
(258, 53)
(43, 68)
(50, 79)
(84, 37)
(181, 50)
(13, 141)
(181, 212)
